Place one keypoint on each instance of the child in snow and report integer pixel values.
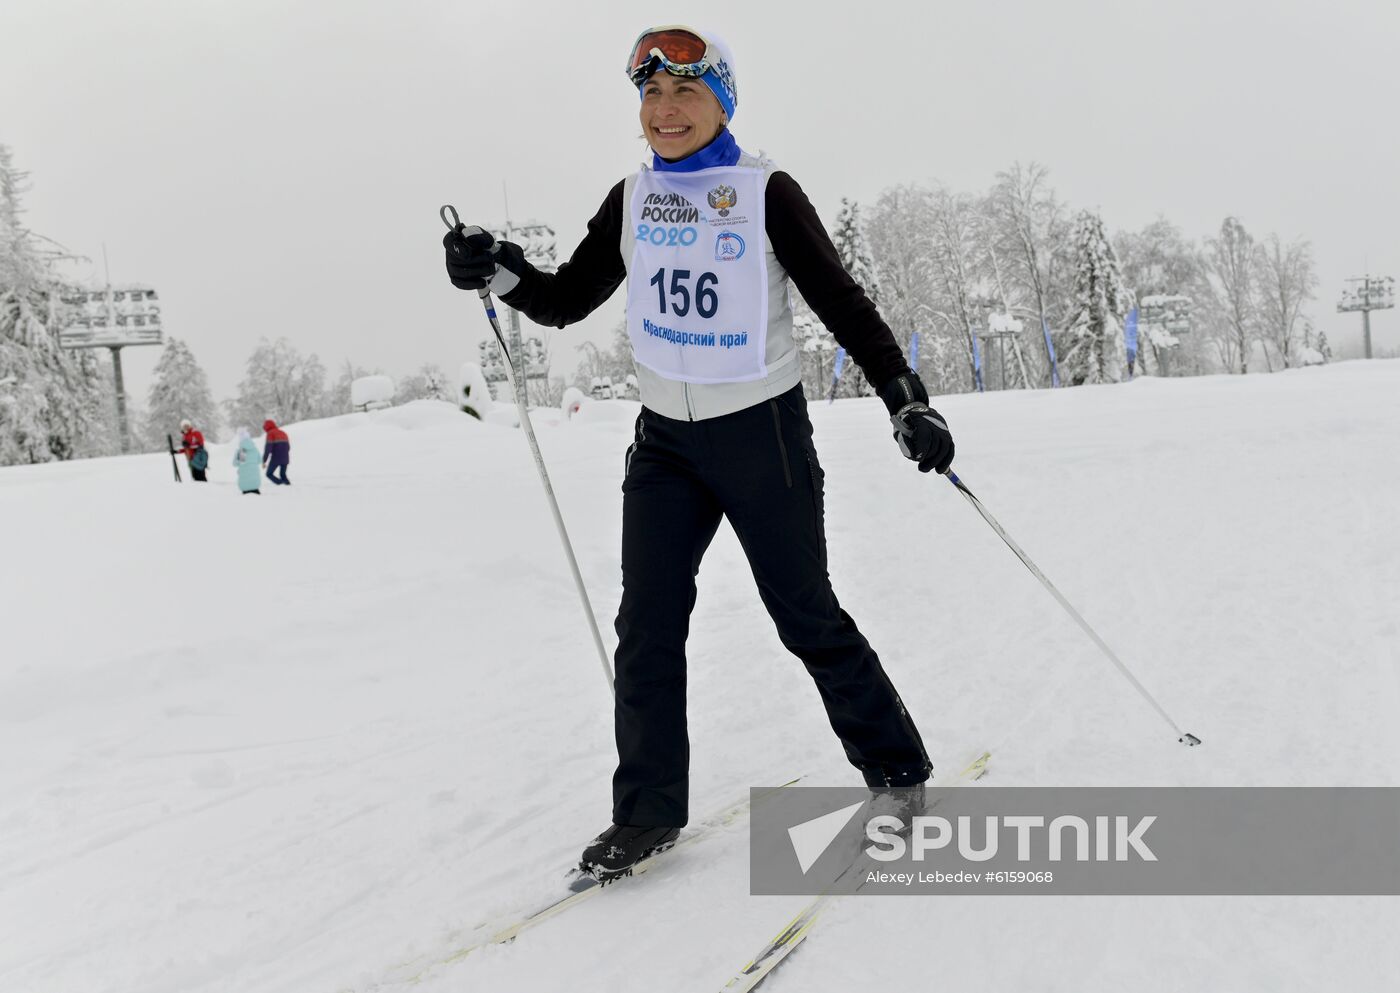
(245, 457)
(277, 452)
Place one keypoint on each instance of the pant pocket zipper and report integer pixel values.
(782, 448)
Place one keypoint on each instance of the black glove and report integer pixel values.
(920, 431)
(474, 258)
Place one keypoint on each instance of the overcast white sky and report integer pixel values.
(275, 168)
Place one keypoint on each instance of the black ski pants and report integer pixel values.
(758, 468)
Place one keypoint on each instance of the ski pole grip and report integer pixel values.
(453, 225)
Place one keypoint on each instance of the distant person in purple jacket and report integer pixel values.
(277, 452)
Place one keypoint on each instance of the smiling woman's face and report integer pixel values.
(679, 115)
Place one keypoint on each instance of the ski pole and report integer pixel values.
(1181, 736)
(170, 442)
(529, 430)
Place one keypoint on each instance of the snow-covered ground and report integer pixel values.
(308, 741)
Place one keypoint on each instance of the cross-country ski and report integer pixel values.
(796, 931)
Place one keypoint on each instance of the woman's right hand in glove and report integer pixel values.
(471, 257)
(476, 260)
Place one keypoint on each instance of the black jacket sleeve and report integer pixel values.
(581, 285)
(805, 250)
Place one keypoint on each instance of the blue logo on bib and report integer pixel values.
(729, 247)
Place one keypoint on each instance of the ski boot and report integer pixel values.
(904, 802)
(613, 853)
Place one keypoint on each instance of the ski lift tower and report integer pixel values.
(1165, 319)
(1367, 293)
(114, 318)
(996, 327)
(529, 357)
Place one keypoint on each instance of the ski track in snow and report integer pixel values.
(308, 742)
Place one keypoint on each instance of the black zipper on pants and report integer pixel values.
(782, 448)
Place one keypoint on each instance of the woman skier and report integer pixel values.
(249, 465)
(707, 236)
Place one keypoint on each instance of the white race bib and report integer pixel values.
(697, 295)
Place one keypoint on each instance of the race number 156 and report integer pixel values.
(679, 292)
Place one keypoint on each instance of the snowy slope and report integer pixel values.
(307, 741)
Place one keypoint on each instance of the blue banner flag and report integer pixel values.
(1130, 338)
(914, 351)
(977, 364)
(1050, 347)
(836, 373)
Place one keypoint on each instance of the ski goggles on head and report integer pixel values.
(679, 50)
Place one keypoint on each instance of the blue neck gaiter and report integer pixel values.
(723, 151)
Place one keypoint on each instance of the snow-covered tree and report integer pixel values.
(816, 349)
(279, 383)
(101, 432)
(614, 363)
(50, 398)
(1285, 279)
(1028, 228)
(958, 242)
(929, 249)
(180, 392)
(337, 398)
(1098, 354)
(436, 384)
(1159, 261)
(1308, 352)
(898, 231)
(851, 249)
(428, 383)
(1230, 258)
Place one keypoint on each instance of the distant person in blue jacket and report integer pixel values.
(277, 452)
(245, 458)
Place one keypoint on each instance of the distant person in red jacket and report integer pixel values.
(192, 443)
(277, 452)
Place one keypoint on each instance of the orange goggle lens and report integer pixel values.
(675, 45)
